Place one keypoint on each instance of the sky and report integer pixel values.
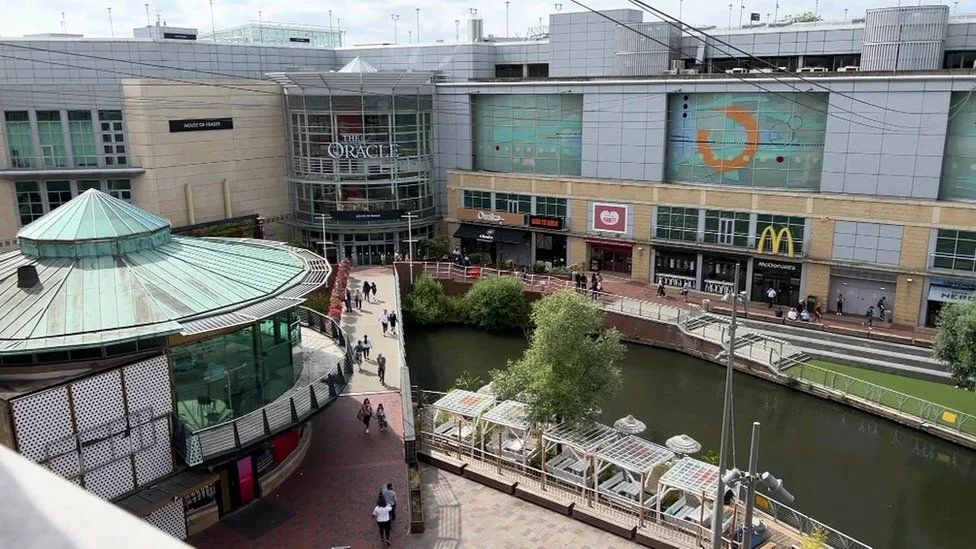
(369, 21)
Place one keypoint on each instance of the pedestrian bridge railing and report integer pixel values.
(288, 411)
(849, 386)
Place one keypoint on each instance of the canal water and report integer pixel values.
(885, 485)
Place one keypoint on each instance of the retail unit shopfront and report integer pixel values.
(943, 291)
(360, 159)
(501, 235)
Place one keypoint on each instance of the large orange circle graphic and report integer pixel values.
(748, 121)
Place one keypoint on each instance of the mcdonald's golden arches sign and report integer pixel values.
(777, 240)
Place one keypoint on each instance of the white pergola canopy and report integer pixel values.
(510, 413)
(692, 477)
(586, 438)
(464, 403)
(635, 454)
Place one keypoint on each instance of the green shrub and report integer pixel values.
(434, 248)
(318, 302)
(561, 271)
(457, 309)
(538, 267)
(508, 264)
(497, 303)
(480, 258)
(428, 304)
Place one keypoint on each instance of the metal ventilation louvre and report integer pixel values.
(904, 38)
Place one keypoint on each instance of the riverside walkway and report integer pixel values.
(327, 502)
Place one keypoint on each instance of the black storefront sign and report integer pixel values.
(300, 40)
(179, 36)
(361, 216)
(201, 124)
(546, 222)
(769, 266)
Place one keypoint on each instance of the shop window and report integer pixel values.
(726, 228)
(30, 205)
(476, 200)
(955, 250)
(776, 244)
(547, 205)
(513, 203)
(675, 223)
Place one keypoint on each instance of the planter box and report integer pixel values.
(416, 513)
(544, 500)
(584, 514)
(502, 485)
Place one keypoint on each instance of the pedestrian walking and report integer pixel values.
(661, 292)
(357, 298)
(372, 290)
(685, 290)
(366, 346)
(840, 303)
(381, 368)
(348, 298)
(869, 317)
(770, 296)
(382, 514)
(358, 350)
(593, 289)
(385, 321)
(393, 322)
(381, 420)
(391, 499)
(366, 289)
(365, 414)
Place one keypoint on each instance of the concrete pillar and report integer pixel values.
(908, 300)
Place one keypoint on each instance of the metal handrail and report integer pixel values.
(406, 397)
(284, 413)
(846, 385)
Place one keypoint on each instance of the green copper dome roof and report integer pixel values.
(93, 224)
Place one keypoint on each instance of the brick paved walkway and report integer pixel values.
(461, 513)
(328, 501)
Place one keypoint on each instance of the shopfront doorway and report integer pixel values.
(614, 258)
(718, 274)
(550, 249)
(943, 291)
(781, 276)
(675, 268)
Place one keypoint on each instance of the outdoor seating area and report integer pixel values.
(637, 464)
(579, 445)
(508, 432)
(457, 414)
(696, 484)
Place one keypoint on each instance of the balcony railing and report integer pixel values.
(361, 166)
(302, 403)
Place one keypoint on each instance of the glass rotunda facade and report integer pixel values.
(361, 159)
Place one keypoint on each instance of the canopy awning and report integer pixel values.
(509, 413)
(491, 234)
(464, 403)
(635, 454)
(692, 476)
(588, 437)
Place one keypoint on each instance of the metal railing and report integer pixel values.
(286, 412)
(361, 166)
(846, 385)
(620, 510)
(406, 396)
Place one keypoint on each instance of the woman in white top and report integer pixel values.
(382, 514)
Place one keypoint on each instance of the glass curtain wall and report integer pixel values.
(82, 138)
(381, 183)
(229, 376)
(19, 140)
(51, 135)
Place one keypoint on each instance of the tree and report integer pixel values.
(427, 304)
(955, 343)
(468, 382)
(569, 369)
(496, 303)
(805, 17)
(434, 248)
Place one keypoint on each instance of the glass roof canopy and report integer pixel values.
(692, 476)
(587, 437)
(464, 403)
(635, 454)
(509, 413)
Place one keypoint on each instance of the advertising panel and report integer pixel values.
(547, 222)
(777, 239)
(362, 216)
(610, 218)
(747, 139)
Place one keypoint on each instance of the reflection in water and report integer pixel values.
(886, 485)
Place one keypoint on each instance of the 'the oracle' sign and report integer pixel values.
(353, 149)
(611, 218)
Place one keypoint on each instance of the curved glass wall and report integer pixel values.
(228, 376)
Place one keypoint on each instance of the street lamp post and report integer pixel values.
(410, 216)
(325, 218)
(750, 479)
(506, 19)
(457, 30)
(718, 508)
(395, 18)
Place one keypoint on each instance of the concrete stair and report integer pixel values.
(857, 351)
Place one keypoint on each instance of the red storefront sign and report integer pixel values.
(609, 218)
(546, 222)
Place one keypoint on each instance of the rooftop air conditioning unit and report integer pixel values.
(849, 68)
(805, 69)
(689, 71)
(736, 70)
(671, 72)
(819, 69)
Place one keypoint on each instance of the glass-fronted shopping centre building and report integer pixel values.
(360, 159)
